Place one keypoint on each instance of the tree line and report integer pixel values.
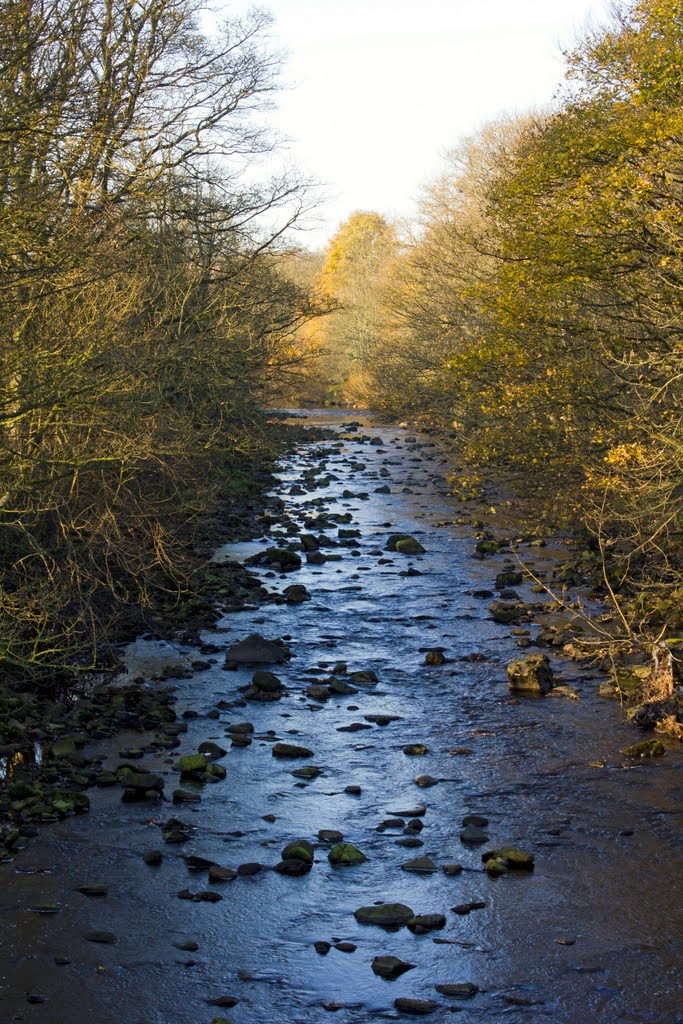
(534, 313)
(144, 314)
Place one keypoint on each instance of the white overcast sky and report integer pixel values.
(378, 89)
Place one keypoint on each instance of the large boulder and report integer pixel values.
(531, 675)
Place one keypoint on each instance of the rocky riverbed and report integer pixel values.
(351, 816)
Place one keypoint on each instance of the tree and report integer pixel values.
(143, 317)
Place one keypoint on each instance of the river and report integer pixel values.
(593, 934)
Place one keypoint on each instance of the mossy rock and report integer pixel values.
(532, 675)
(64, 748)
(311, 771)
(495, 866)
(345, 855)
(299, 849)
(409, 546)
(510, 857)
(218, 771)
(192, 764)
(66, 802)
(487, 547)
(647, 748)
(404, 544)
(24, 790)
(415, 749)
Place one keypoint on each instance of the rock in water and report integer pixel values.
(346, 855)
(266, 682)
(386, 915)
(416, 1007)
(465, 990)
(290, 750)
(404, 544)
(256, 650)
(422, 923)
(648, 748)
(390, 967)
(420, 866)
(531, 675)
(510, 857)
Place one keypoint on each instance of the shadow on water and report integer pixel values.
(593, 934)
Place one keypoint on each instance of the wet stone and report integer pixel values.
(464, 990)
(416, 1007)
(472, 835)
(420, 866)
(249, 868)
(329, 835)
(218, 873)
(390, 967)
(345, 855)
(386, 915)
(423, 923)
(475, 819)
(412, 812)
(290, 750)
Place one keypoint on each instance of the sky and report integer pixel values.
(377, 90)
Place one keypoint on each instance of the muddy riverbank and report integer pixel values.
(592, 933)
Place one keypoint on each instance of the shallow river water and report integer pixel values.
(592, 935)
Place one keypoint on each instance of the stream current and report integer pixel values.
(592, 935)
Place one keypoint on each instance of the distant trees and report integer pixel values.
(351, 282)
(143, 316)
(539, 310)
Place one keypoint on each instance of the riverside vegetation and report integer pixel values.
(145, 318)
(533, 317)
